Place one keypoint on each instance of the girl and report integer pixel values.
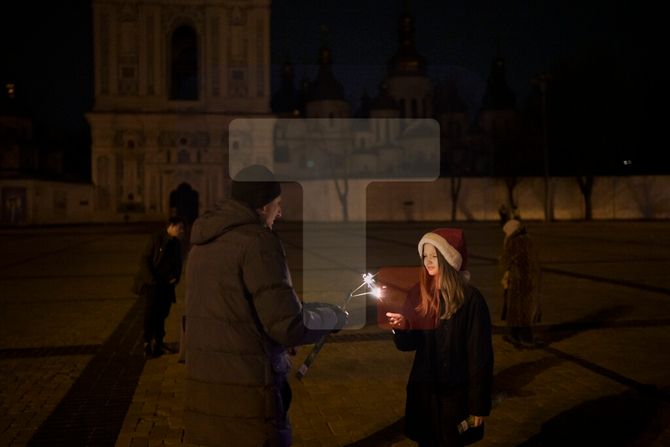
(446, 321)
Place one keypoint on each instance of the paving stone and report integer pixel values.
(139, 441)
(606, 315)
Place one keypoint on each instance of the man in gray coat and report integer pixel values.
(242, 315)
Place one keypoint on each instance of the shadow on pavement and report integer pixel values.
(510, 381)
(386, 436)
(631, 418)
(507, 383)
(598, 319)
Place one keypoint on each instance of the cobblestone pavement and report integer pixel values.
(72, 373)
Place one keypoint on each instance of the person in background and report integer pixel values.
(242, 317)
(520, 284)
(446, 321)
(158, 274)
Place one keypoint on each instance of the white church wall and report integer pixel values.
(48, 202)
(635, 197)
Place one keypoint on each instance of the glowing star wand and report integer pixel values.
(373, 289)
(368, 280)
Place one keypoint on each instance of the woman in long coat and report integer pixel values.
(520, 282)
(446, 321)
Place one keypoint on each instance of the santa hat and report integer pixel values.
(450, 242)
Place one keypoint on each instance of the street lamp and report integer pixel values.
(542, 80)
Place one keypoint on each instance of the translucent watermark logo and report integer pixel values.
(334, 160)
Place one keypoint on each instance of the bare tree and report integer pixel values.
(455, 190)
(586, 187)
(335, 153)
(511, 181)
(343, 194)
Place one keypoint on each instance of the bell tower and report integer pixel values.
(170, 75)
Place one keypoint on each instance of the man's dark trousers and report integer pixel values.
(158, 299)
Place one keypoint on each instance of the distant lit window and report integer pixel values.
(305, 163)
(11, 90)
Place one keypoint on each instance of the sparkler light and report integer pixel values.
(373, 289)
(377, 292)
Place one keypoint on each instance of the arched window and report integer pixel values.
(184, 64)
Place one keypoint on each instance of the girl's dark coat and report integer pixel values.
(452, 373)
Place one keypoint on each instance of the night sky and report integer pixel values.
(49, 56)
(458, 39)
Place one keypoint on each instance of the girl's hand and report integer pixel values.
(477, 420)
(397, 321)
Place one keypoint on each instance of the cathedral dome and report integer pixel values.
(498, 95)
(325, 86)
(407, 61)
(384, 101)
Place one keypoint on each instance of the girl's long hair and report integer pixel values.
(443, 294)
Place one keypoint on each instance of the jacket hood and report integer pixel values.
(225, 216)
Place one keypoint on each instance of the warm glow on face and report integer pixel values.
(271, 211)
(175, 230)
(430, 259)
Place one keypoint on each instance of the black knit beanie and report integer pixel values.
(256, 186)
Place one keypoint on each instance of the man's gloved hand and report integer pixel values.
(342, 316)
(342, 319)
(329, 316)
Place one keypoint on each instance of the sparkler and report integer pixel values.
(369, 281)
(372, 289)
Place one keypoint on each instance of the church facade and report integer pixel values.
(170, 76)
(470, 141)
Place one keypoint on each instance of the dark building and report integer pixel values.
(473, 142)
